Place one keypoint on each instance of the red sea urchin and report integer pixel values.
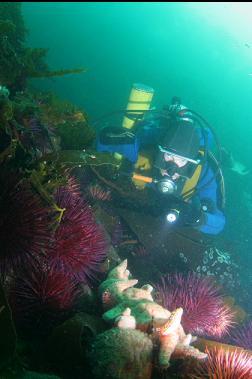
(99, 193)
(79, 245)
(23, 223)
(42, 296)
(223, 364)
(73, 185)
(205, 312)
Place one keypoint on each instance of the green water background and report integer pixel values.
(199, 51)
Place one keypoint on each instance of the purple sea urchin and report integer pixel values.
(42, 296)
(205, 312)
(79, 244)
(23, 221)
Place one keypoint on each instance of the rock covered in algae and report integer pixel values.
(122, 354)
(66, 347)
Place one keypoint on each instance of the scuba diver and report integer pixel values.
(185, 177)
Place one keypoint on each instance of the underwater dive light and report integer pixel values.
(172, 216)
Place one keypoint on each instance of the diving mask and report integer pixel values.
(164, 150)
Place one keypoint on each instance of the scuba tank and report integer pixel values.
(139, 102)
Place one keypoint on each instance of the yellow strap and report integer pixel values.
(191, 183)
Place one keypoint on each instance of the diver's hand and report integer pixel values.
(143, 163)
